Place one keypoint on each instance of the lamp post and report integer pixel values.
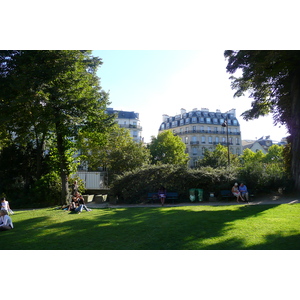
(225, 124)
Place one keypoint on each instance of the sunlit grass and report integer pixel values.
(197, 227)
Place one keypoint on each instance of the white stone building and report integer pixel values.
(202, 129)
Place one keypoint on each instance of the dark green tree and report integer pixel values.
(218, 158)
(273, 80)
(119, 153)
(57, 94)
(168, 149)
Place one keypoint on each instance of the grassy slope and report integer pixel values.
(203, 227)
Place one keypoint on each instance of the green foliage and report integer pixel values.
(273, 80)
(119, 153)
(218, 158)
(52, 93)
(134, 186)
(46, 191)
(264, 172)
(168, 149)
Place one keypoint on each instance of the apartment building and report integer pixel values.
(202, 130)
(129, 120)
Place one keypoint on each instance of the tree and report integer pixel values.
(218, 158)
(273, 80)
(120, 153)
(168, 149)
(52, 93)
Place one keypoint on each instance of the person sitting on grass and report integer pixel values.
(235, 191)
(5, 221)
(81, 204)
(5, 205)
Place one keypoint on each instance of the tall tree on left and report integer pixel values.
(55, 94)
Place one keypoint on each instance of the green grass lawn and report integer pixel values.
(233, 227)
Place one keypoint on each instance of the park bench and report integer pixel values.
(170, 196)
(228, 194)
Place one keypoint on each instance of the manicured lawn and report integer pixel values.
(233, 227)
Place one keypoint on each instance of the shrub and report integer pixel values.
(132, 187)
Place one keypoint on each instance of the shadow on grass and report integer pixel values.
(180, 228)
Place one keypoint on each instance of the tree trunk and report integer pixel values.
(295, 129)
(63, 165)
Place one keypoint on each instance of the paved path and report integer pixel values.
(256, 201)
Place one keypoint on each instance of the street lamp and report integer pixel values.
(225, 124)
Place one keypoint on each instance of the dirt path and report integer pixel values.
(253, 201)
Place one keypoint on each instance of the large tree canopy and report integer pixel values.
(273, 80)
(51, 93)
(168, 149)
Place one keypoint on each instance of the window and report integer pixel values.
(194, 150)
(208, 120)
(203, 139)
(201, 120)
(194, 128)
(208, 129)
(234, 122)
(217, 139)
(210, 140)
(181, 122)
(194, 120)
(202, 128)
(215, 121)
(237, 141)
(187, 121)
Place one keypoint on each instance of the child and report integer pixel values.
(5, 221)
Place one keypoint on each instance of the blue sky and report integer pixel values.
(158, 82)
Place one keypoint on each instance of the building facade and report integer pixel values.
(129, 120)
(202, 130)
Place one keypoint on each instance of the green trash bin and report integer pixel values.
(196, 194)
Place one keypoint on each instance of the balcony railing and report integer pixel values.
(130, 126)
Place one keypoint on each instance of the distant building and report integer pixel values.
(202, 130)
(263, 144)
(129, 120)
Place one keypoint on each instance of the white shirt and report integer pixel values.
(4, 205)
(6, 221)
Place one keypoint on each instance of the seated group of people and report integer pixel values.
(77, 203)
(241, 192)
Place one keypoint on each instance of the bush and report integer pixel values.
(132, 187)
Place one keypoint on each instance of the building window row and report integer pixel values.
(196, 120)
(211, 141)
(197, 151)
(207, 129)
